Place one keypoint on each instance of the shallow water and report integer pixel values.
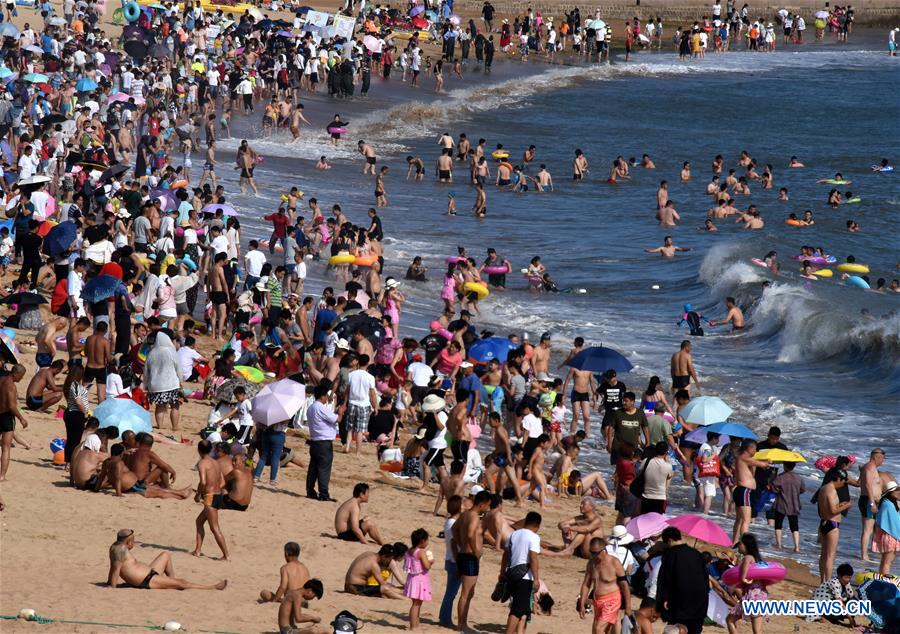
(810, 362)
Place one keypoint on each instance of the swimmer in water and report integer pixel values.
(417, 164)
(735, 316)
(543, 181)
(667, 215)
(686, 172)
(795, 162)
(783, 195)
(580, 166)
(884, 166)
(647, 163)
(852, 226)
(838, 178)
(667, 250)
(323, 164)
(709, 226)
(451, 204)
(693, 319)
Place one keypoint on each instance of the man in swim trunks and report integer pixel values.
(219, 296)
(584, 387)
(115, 474)
(735, 316)
(605, 579)
(580, 166)
(468, 544)
(349, 523)
(682, 369)
(830, 509)
(43, 392)
(46, 341)
(239, 483)
(84, 469)
(744, 494)
(580, 531)
(98, 354)
(417, 164)
(871, 487)
(366, 569)
(159, 575)
(444, 166)
(668, 249)
(369, 153)
(9, 412)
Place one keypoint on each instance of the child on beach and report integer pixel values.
(294, 589)
(416, 563)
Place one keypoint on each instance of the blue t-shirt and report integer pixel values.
(324, 316)
(473, 384)
(184, 213)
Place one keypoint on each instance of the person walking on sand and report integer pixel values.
(9, 412)
(604, 580)
(239, 485)
(520, 568)
(158, 575)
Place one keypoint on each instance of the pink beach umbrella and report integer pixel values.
(701, 529)
(647, 525)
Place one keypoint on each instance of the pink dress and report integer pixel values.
(449, 291)
(418, 580)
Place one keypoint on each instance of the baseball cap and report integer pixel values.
(466, 364)
(476, 489)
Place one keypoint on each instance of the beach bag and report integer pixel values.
(708, 468)
(345, 622)
(766, 501)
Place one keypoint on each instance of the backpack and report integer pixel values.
(640, 480)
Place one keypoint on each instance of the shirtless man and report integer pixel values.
(580, 166)
(577, 532)
(115, 474)
(43, 392)
(212, 481)
(745, 484)
(606, 577)
(73, 337)
(457, 422)
(46, 341)
(468, 544)
(126, 142)
(662, 195)
(536, 474)
(146, 465)
(540, 359)
(368, 153)
(497, 527)
(735, 316)
(369, 566)
(219, 296)
(209, 165)
(543, 179)
(98, 354)
(451, 485)
(239, 484)
(830, 509)
(84, 472)
(224, 451)
(682, 369)
(159, 575)
(504, 176)
(502, 458)
(444, 167)
(9, 412)
(871, 487)
(667, 215)
(479, 209)
(349, 523)
(583, 397)
(667, 250)
(752, 219)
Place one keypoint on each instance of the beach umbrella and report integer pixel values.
(455, 20)
(8, 351)
(124, 414)
(225, 392)
(112, 172)
(99, 288)
(647, 525)
(284, 33)
(885, 603)
(822, 15)
(416, 10)
(701, 529)
(86, 84)
(227, 210)
(595, 24)
(136, 49)
(600, 359)
(57, 21)
(826, 463)
(165, 197)
(779, 456)
(52, 119)
(59, 239)
(370, 327)
(6, 72)
(160, 51)
(8, 29)
(112, 269)
(45, 227)
(120, 97)
(23, 300)
(31, 48)
(705, 410)
(485, 350)
(731, 429)
(278, 402)
(34, 180)
(699, 436)
(36, 78)
(371, 42)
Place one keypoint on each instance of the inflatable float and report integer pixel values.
(765, 572)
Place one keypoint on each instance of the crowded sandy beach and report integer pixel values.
(271, 268)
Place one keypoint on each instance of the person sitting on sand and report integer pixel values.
(498, 527)
(84, 471)
(116, 475)
(159, 575)
(239, 485)
(294, 588)
(146, 465)
(367, 568)
(348, 523)
(578, 531)
(453, 484)
(43, 392)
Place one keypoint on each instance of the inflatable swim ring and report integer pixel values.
(131, 11)
(860, 577)
(446, 334)
(497, 270)
(479, 289)
(254, 375)
(265, 243)
(823, 273)
(341, 258)
(392, 466)
(500, 154)
(794, 223)
(759, 262)
(507, 165)
(818, 260)
(337, 130)
(858, 282)
(365, 260)
(853, 201)
(188, 262)
(766, 572)
(534, 279)
(852, 267)
(179, 184)
(832, 181)
(455, 260)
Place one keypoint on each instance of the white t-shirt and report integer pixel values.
(92, 443)
(448, 539)
(532, 424)
(521, 543)
(421, 373)
(114, 385)
(220, 245)
(186, 358)
(360, 385)
(255, 260)
(658, 472)
(440, 438)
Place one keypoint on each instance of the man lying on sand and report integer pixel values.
(159, 575)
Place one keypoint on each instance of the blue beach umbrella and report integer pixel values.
(100, 288)
(36, 78)
(8, 29)
(738, 430)
(485, 350)
(86, 84)
(6, 72)
(600, 359)
(885, 600)
(124, 414)
(705, 410)
(59, 239)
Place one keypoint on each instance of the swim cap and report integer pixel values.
(688, 308)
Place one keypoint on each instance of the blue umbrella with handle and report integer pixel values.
(485, 350)
(124, 414)
(738, 430)
(705, 410)
(59, 239)
(100, 288)
(600, 359)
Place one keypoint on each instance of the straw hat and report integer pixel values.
(433, 403)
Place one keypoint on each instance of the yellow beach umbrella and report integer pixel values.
(779, 455)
